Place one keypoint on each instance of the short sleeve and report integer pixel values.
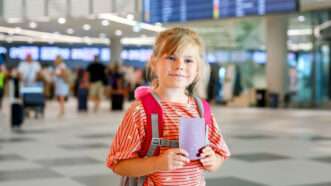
(21, 68)
(217, 141)
(38, 66)
(129, 136)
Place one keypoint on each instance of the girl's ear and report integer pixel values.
(152, 62)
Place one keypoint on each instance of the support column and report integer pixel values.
(277, 65)
(116, 49)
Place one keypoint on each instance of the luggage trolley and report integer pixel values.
(33, 99)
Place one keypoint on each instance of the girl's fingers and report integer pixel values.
(181, 158)
(207, 151)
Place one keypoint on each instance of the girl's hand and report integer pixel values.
(171, 159)
(209, 160)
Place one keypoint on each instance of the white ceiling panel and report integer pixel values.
(57, 8)
(12, 9)
(35, 8)
(79, 8)
(102, 6)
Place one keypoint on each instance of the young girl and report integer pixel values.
(175, 65)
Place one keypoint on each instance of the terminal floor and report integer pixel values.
(269, 147)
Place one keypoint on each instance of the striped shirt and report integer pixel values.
(130, 135)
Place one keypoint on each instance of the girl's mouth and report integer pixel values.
(177, 75)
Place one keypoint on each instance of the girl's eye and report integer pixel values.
(188, 61)
(171, 58)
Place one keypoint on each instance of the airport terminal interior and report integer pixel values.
(69, 70)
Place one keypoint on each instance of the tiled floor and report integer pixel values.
(270, 147)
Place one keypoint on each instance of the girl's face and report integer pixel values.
(177, 70)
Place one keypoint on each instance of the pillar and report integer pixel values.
(277, 65)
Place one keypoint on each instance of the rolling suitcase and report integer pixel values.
(17, 116)
(117, 101)
(82, 97)
(33, 98)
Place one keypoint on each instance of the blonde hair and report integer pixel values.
(172, 41)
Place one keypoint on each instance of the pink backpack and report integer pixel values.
(154, 129)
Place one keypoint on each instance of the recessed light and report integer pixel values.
(18, 30)
(102, 35)
(30, 41)
(118, 33)
(70, 31)
(33, 25)
(86, 27)
(9, 40)
(136, 28)
(61, 20)
(105, 22)
(301, 18)
(130, 16)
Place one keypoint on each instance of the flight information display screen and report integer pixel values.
(239, 8)
(50, 53)
(164, 11)
(22, 51)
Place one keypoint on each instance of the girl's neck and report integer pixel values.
(172, 94)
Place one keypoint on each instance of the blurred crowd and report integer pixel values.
(93, 83)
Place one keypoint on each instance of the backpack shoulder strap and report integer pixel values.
(204, 109)
(205, 112)
(154, 127)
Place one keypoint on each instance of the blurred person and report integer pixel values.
(29, 71)
(81, 89)
(3, 75)
(97, 77)
(61, 83)
(118, 89)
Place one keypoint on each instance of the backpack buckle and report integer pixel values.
(156, 141)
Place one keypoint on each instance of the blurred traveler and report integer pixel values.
(118, 89)
(81, 89)
(97, 76)
(61, 83)
(29, 71)
(2, 83)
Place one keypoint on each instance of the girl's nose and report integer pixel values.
(179, 64)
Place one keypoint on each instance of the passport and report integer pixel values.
(192, 136)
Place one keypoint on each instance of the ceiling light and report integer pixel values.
(121, 20)
(87, 40)
(18, 30)
(118, 32)
(70, 31)
(9, 40)
(136, 28)
(301, 18)
(130, 16)
(33, 25)
(86, 27)
(61, 20)
(102, 35)
(299, 32)
(14, 20)
(105, 22)
(30, 41)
